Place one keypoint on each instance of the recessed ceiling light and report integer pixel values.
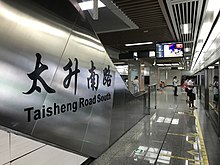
(180, 68)
(186, 28)
(141, 43)
(151, 53)
(187, 49)
(89, 5)
(135, 54)
(160, 65)
(187, 58)
(211, 67)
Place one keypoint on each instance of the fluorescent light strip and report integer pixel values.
(88, 5)
(186, 28)
(205, 30)
(211, 67)
(141, 43)
(167, 64)
(172, 64)
(187, 49)
(175, 64)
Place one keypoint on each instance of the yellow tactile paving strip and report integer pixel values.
(202, 144)
(201, 154)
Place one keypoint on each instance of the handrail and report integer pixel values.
(155, 84)
(140, 93)
(147, 97)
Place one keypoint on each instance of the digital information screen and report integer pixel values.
(169, 50)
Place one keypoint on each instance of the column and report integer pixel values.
(133, 70)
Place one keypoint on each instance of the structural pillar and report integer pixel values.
(134, 69)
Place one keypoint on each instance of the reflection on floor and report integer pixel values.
(170, 135)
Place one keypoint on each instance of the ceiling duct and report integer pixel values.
(185, 16)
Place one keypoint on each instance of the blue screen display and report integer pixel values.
(169, 50)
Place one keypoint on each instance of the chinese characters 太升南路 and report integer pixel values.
(67, 80)
(35, 75)
(92, 80)
(107, 77)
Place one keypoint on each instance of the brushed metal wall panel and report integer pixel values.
(47, 67)
(22, 36)
(88, 122)
(127, 109)
(98, 132)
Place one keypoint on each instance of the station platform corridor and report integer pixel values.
(67, 78)
(172, 134)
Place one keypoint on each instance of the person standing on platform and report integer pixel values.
(191, 94)
(185, 88)
(161, 85)
(135, 83)
(215, 91)
(175, 81)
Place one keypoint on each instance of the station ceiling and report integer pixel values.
(134, 21)
(149, 21)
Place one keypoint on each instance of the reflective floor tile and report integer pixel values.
(21, 145)
(4, 147)
(50, 155)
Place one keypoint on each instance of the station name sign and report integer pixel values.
(92, 82)
(56, 109)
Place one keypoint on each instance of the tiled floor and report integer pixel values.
(18, 150)
(170, 135)
(4, 147)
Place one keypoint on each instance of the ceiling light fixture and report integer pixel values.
(151, 53)
(175, 64)
(167, 64)
(135, 54)
(211, 67)
(89, 5)
(186, 28)
(141, 43)
(187, 49)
